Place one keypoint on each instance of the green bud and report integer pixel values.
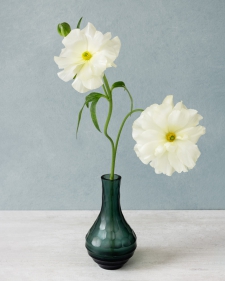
(63, 29)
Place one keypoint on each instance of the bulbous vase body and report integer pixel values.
(110, 241)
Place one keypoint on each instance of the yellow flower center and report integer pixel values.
(170, 137)
(86, 55)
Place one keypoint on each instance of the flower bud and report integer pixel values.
(63, 29)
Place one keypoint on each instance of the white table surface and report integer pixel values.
(172, 245)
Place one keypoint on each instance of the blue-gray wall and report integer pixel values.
(168, 47)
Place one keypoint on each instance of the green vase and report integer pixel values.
(111, 241)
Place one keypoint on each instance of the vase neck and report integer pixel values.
(111, 194)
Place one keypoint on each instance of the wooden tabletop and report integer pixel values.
(172, 245)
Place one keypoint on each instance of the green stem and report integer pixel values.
(109, 94)
(120, 130)
(103, 86)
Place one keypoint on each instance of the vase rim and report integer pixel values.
(107, 177)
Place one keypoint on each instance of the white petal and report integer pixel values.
(179, 106)
(71, 53)
(93, 83)
(176, 163)
(171, 146)
(69, 72)
(63, 62)
(78, 86)
(148, 149)
(98, 64)
(136, 129)
(85, 72)
(111, 49)
(144, 159)
(168, 100)
(106, 37)
(89, 30)
(188, 153)
(177, 120)
(191, 133)
(72, 37)
(162, 165)
(160, 116)
(80, 47)
(160, 150)
(94, 43)
(194, 118)
(146, 118)
(150, 135)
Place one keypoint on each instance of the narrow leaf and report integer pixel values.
(79, 118)
(79, 22)
(93, 114)
(93, 96)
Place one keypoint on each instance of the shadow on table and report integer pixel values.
(146, 258)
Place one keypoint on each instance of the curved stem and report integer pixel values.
(106, 94)
(106, 87)
(120, 130)
(131, 99)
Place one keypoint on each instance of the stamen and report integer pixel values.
(170, 137)
(86, 55)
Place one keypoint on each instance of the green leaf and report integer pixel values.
(79, 22)
(121, 84)
(79, 118)
(93, 96)
(93, 113)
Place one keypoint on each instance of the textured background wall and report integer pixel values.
(168, 47)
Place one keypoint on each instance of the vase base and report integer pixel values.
(112, 265)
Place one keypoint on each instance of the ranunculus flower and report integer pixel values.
(166, 137)
(86, 56)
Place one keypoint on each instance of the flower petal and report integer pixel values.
(160, 116)
(111, 49)
(98, 64)
(150, 135)
(168, 100)
(180, 106)
(176, 163)
(191, 133)
(89, 30)
(63, 62)
(72, 37)
(177, 120)
(144, 159)
(147, 150)
(68, 73)
(194, 118)
(188, 153)
(78, 86)
(162, 165)
(93, 83)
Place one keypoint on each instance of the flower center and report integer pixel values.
(86, 55)
(170, 137)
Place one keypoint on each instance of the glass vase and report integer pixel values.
(110, 241)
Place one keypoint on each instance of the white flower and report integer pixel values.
(86, 55)
(166, 137)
